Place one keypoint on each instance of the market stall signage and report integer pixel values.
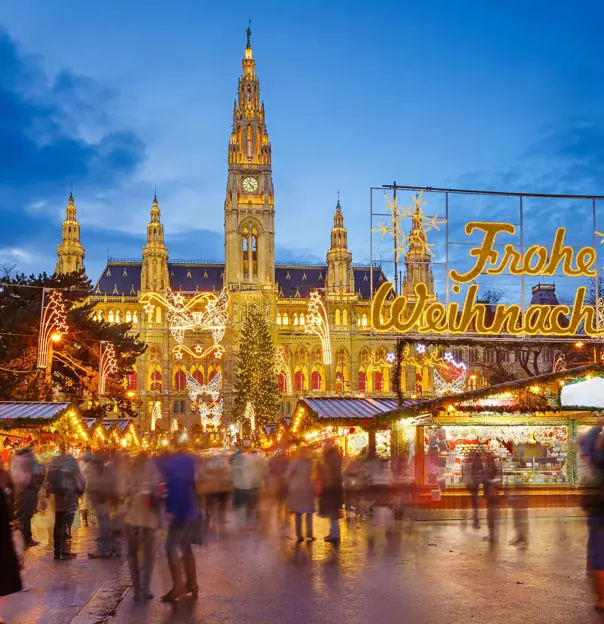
(422, 313)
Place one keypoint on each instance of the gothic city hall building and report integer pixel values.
(251, 276)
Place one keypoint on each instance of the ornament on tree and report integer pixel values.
(282, 366)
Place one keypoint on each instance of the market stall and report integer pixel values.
(532, 426)
(349, 421)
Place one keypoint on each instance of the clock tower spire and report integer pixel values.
(249, 206)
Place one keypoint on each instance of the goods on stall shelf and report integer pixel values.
(532, 455)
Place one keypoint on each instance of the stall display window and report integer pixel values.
(530, 455)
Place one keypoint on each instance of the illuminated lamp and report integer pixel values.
(472, 377)
(450, 408)
(579, 344)
(535, 388)
(414, 396)
(130, 394)
(561, 382)
(124, 443)
(55, 337)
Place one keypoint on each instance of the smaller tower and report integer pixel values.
(417, 259)
(70, 253)
(154, 273)
(340, 277)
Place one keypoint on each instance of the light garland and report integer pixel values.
(53, 324)
(317, 323)
(250, 414)
(183, 316)
(107, 365)
(196, 390)
(155, 414)
(282, 366)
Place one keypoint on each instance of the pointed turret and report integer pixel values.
(70, 253)
(418, 267)
(340, 276)
(154, 274)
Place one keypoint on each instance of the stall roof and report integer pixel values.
(34, 410)
(348, 407)
(428, 405)
(107, 423)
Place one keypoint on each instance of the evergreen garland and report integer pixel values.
(256, 379)
(397, 370)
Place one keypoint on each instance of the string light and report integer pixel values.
(107, 366)
(317, 323)
(53, 324)
(155, 414)
(250, 414)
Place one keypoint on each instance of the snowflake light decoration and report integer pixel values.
(420, 348)
(107, 364)
(422, 224)
(317, 323)
(53, 323)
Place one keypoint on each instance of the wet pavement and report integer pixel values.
(423, 573)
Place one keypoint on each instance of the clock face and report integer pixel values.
(250, 185)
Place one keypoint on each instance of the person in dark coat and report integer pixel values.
(10, 575)
(331, 498)
(28, 477)
(301, 492)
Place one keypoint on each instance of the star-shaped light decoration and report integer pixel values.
(420, 348)
(149, 307)
(390, 358)
(198, 348)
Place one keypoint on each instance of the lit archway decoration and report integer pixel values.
(317, 323)
(107, 364)
(53, 322)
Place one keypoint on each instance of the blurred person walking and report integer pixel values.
(491, 494)
(10, 576)
(179, 471)
(114, 487)
(142, 509)
(301, 492)
(277, 466)
(216, 487)
(331, 497)
(28, 477)
(85, 504)
(593, 503)
(93, 468)
(474, 477)
(66, 483)
(241, 477)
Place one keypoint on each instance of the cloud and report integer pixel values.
(53, 133)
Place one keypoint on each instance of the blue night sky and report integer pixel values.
(116, 97)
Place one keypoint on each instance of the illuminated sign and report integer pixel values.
(421, 313)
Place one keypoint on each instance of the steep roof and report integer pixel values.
(34, 410)
(123, 278)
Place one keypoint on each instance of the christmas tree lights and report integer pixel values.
(282, 366)
(250, 415)
(317, 323)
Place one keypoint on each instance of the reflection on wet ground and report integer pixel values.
(420, 573)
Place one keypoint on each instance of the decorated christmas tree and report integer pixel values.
(256, 380)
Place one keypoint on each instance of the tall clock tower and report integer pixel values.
(249, 207)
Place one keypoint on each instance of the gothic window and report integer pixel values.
(128, 316)
(110, 317)
(285, 319)
(156, 378)
(339, 382)
(180, 379)
(295, 318)
(316, 380)
(317, 354)
(338, 318)
(118, 317)
(278, 318)
(154, 353)
(198, 375)
(155, 270)
(362, 381)
(245, 243)
(158, 315)
(101, 316)
(282, 380)
(132, 380)
(340, 273)
(364, 356)
(135, 317)
(213, 370)
(249, 141)
(364, 320)
(300, 379)
(302, 318)
(345, 317)
(301, 355)
(254, 252)
(378, 383)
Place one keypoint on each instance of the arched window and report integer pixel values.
(180, 379)
(317, 354)
(364, 320)
(282, 379)
(278, 318)
(118, 317)
(378, 383)
(254, 252)
(302, 318)
(340, 275)
(364, 356)
(213, 370)
(339, 382)
(154, 353)
(318, 378)
(362, 381)
(128, 316)
(157, 315)
(198, 376)
(338, 318)
(295, 318)
(110, 317)
(301, 355)
(300, 379)
(135, 317)
(345, 317)
(132, 380)
(156, 379)
(101, 316)
(285, 319)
